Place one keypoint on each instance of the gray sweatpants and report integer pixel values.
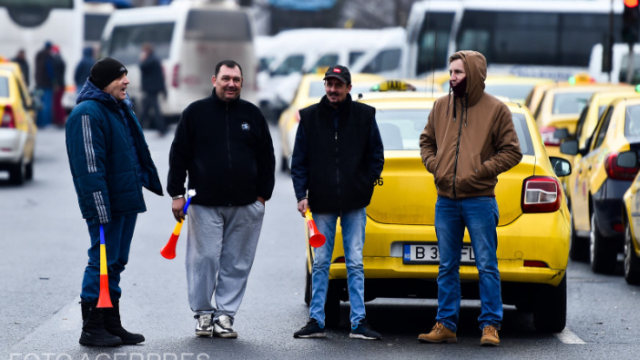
(221, 246)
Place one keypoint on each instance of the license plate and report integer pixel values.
(430, 254)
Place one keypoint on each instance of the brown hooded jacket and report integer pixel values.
(469, 140)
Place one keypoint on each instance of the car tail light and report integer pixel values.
(535, 263)
(8, 119)
(548, 136)
(618, 227)
(339, 260)
(175, 79)
(541, 194)
(616, 172)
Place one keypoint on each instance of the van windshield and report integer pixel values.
(127, 40)
(209, 25)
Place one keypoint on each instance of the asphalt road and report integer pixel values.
(44, 242)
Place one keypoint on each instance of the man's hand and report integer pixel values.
(261, 199)
(302, 206)
(177, 208)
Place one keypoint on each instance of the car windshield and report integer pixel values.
(4, 87)
(316, 89)
(512, 91)
(632, 121)
(570, 103)
(401, 129)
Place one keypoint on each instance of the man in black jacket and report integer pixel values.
(224, 144)
(337, 157)
(152, 85)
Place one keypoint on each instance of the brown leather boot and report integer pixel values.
(439, 334)
(490, 336)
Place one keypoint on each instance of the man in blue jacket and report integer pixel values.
(110, 163)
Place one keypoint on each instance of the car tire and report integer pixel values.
(579, 249)
(17, 173)
(602, 254)
(29, 170)
(631, 261)
(550, 308)
(307, 286)
(332, 305)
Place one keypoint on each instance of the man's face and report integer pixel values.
(336, 90)
(228, 83)
(456, 71)
(118, 88)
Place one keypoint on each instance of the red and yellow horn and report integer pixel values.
(316, 239)
(104, 299)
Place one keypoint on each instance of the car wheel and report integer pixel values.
(602, 254)
(307, 286)
(550, 309)
(332, 305)
(29, 170)
(579, 250)
(17, 173)
(631, 261)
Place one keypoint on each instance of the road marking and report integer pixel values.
(568, 337)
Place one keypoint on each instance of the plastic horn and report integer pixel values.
(104, 299)
(316, 239)
(169, 250)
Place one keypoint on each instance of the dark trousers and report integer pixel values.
(117, 238)
(151, 107)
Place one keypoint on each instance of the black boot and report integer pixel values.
(114, 326)
(93, 327)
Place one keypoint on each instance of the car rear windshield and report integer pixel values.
(4, 87)
(512, 91)
(401, 129)
(127, 40)
(208, 25)
(570, 103)
(632, 121)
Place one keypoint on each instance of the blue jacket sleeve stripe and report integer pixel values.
(102, 211)
(88, 144)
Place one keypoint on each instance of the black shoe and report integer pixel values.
(364, 331)
(94, 332)
(311, 330)
(114, 326)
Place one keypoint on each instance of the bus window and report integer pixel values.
(93, 26)
(427, 41)
(532, 38)
(126, 41)
(206, 25)
(354, 56)
(386, 60)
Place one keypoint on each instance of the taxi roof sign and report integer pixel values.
(581, 78)
(393, 85)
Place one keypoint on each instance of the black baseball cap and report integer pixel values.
(339, 72)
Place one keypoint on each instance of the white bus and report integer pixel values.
(28, 24)
(542, 38)
(190, 38)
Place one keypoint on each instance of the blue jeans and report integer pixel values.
(480, 216)
(45, 115)
(353, 223)
(117, 238)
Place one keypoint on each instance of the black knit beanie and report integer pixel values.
(104, 71)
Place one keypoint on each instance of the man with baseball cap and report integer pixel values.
(337, 158)
(110, 163)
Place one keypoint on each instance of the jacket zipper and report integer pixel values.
(228, 140)
(455, 166)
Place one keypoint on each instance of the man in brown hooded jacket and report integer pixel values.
(469, 139)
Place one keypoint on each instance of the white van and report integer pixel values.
(619, 64)
(190, 38)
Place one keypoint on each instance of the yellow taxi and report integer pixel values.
(535, 95)
(561, 106)
(532, 259)
(631, 222)
(17, 128)
(604, 173)
(587, 123)
(515, 88)
(310, 91)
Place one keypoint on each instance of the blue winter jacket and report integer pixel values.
(102, 160)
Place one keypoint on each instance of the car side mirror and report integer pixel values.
(569, 147)
(627, 159)
(561, 134)
(562, 167)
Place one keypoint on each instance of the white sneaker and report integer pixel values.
(223, 327)
(204, 327)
